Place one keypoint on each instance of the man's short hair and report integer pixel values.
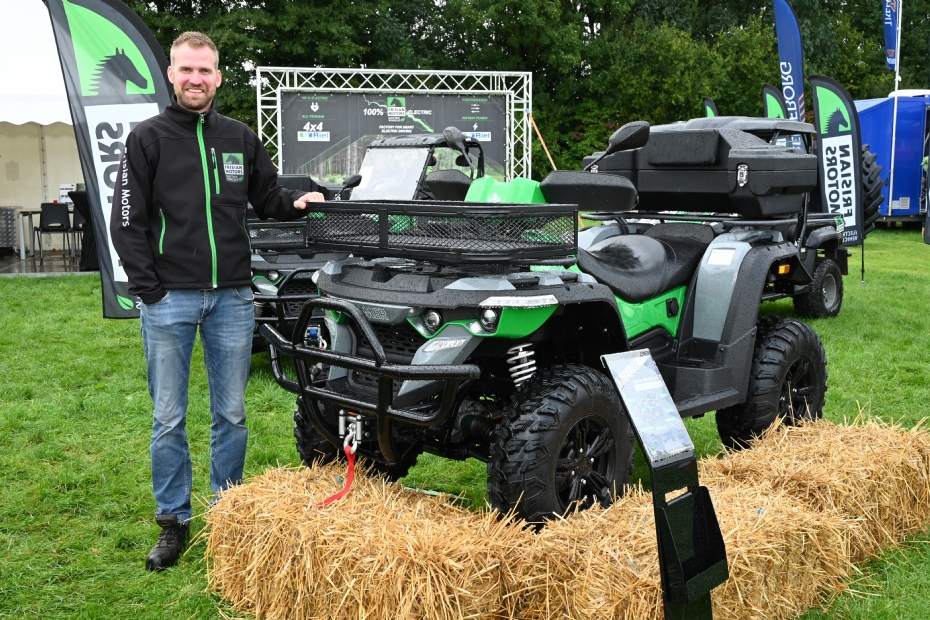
(195, 40)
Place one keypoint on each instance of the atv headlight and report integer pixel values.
(489, 319)
(273, 276)
(432, 319)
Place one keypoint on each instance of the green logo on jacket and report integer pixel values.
(234, 167)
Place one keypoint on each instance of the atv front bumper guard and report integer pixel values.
(305, 357)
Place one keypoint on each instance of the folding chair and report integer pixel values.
(54, 218)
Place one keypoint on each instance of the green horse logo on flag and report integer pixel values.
(832, 113)
(108, 61)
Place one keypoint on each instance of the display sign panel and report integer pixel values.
(649, 404)
(326, 134)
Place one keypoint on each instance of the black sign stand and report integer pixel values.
(692, 555)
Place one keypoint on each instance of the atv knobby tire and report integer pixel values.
(788, 380)
(313, 447)
(872, 185)
(824, 296)
(564, 441)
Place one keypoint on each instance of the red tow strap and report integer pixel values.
(350, 455)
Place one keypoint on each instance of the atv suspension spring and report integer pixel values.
(522, 364)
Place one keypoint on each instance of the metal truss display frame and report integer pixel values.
(516, 87)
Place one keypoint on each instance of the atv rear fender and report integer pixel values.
(711, 370)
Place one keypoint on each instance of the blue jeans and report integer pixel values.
(226, 318)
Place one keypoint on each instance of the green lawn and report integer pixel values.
(75, 417)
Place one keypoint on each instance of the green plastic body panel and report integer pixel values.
(641, 317)
(518, 191)
(513, 323)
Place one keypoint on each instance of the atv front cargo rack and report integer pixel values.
(269, 235)
(305, 357)
(445, 232)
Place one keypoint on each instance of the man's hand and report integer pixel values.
(301, 203)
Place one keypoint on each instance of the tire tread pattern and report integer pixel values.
(811, 304)
(519, 449)
(779, 342)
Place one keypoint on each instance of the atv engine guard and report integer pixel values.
(304, 357)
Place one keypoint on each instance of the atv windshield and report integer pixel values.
(390, 174)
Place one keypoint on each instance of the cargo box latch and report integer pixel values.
(742, 174)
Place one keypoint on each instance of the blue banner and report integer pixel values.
(791, 60)
(891, 33)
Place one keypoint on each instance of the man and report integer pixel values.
(188, 174)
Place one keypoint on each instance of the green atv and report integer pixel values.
(475, 329)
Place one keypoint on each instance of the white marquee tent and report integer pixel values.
(38, 151)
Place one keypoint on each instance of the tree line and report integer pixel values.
(596, 64)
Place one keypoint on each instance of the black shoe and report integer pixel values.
(170, 544)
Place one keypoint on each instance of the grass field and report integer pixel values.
(75, 418)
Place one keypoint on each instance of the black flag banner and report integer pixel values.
(116, 77)
(839, 150)
(773, 102)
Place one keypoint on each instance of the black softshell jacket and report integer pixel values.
(184, 182)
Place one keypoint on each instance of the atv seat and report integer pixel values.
(448, 184)
(640, 267)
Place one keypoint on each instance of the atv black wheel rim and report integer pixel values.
(796, 390)
(829, 291)
(586, 464)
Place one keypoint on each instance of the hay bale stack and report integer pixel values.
(782, 555)
(875, 475)
(604, 563)
(795, 511)
(381, 552)
(597, 563)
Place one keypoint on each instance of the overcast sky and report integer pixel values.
(27, 47)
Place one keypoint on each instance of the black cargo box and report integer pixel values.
(716, 170)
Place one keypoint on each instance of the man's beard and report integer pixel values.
(196, 104)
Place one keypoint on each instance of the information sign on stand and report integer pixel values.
(692, 556)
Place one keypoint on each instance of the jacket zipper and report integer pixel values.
(216, 171)
(206, 186)
(161, 239)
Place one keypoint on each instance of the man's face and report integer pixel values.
(194, 76)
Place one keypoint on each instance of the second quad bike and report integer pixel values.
(822, 254)
(476, 329)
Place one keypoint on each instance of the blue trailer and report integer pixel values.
(876, 118)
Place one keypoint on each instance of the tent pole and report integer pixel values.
(43, 161)
(894, 122)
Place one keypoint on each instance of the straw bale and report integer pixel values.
(604, 563)
(795, 512)
(875, 475)
(381, 552)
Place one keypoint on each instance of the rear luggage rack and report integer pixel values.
(444, 232)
